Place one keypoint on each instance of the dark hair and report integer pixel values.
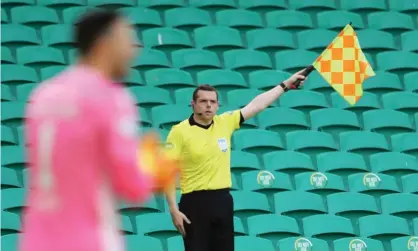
(91, 26)
(204, 88)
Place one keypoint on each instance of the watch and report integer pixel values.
(285, 88)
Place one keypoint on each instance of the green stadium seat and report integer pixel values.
(273, 227)
(302, 204)
(317, 83)
(282, 120)
(319, 183)
(164, 116)
(333, 120)
(7, 137)
(9, 242)
(13, 200)
(408, 40)
(403, 6)
(9, 177)
(239, 227)
(402, 101)
(289, 19)
(393, 163)
(251, 243)
(317, 39)
(247, 204)
(166, 38)
(195, 59)
(149, 97)
(368, 101)
(4, 16)
(23, 92)
(382, 83)
(373, 184)
(320, 4)
(392, 21)
(21, 134)
(184, 96)
(12, 113)
(187, 18)
(248, 124)
(136, 243)
(240, 19)
(266, 79)
(71, 15)
(415, 225)
(387, 122)
(61, 3)
(352, 205)
(270, 40)
(294, 60)
(341, 163)
(34, 15)
(161, 4)
(157, 225)
(150, 59)
(362, 6)
(262, 5)
(25, 177)
(358, 244)
(133, 78)
(406, 143)
(223, 80)
(126, 227)
(308, 141)
(243, 161)
(72, 56)
(363, 142)
(129, 209)
(217, 38)
(12, 3)
(234, 181)
(397, 61)
(39, 56)
(338, 19)
(6, 93)
(303, 100)
(376, 40)
(168, 78)
(10, 223)
(6, 56)
(111, 3)
(241, 97)
(300, 243)
(281, 183)
(408, 242)
(175, 244)
(165, 203)
(327, 227)
(404, 205)
(18, 35)
(409, 81)
(145, 118)
(242, 59)
(257, 141)
(58, 35)
(51, 71)
(374, 225)
(14, 156)
(288, 162)
(143, 18)
(416, 120)
(213, 4)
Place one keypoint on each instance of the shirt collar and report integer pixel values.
(193, 122)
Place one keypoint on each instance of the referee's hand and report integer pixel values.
(178, 219)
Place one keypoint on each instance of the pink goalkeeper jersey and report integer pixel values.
(83, 138)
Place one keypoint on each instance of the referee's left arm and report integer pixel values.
(265, 99)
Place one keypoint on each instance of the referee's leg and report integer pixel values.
(222, 228)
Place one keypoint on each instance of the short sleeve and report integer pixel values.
(174, 144)
(232, 119)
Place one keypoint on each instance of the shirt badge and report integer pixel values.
(223, 144)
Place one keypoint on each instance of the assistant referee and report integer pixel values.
(205, 213)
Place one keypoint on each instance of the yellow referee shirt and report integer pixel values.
(205, 151)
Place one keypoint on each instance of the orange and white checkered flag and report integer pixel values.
(343, 65)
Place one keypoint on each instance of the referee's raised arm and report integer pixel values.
(205, 214)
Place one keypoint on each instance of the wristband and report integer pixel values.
(285, 88)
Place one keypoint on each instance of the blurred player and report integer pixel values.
(83, 140)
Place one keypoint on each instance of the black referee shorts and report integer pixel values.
(211, 213)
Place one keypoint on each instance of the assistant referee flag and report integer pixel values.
(344, 66)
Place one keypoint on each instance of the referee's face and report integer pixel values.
(206, 104)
